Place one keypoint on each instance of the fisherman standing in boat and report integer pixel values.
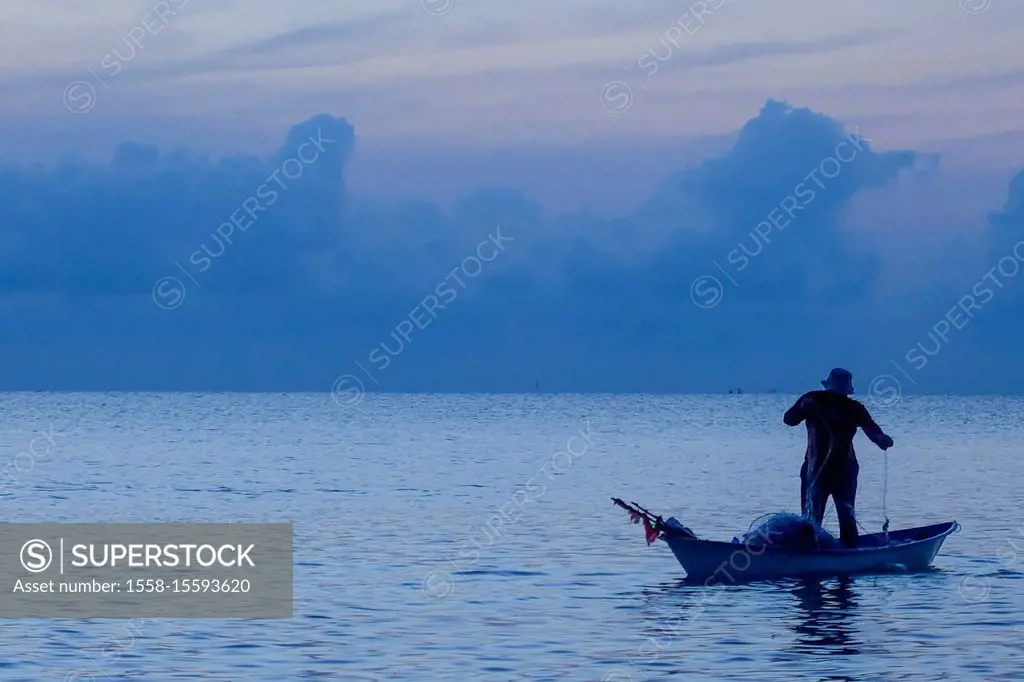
(830, 464)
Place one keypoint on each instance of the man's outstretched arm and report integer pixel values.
(873, 430)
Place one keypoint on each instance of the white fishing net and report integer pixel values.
(787, 531)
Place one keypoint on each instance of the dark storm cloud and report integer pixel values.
(271, 276)
(772, 204)
(82, 229)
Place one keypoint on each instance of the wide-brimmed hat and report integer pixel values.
(839, 380)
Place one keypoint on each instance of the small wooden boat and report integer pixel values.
(716, 563)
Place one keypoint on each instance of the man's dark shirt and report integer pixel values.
(832, 417)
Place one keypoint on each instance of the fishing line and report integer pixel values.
(885, 493)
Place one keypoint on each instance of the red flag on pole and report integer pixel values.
(651, 531)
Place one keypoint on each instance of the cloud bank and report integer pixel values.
(172, 270)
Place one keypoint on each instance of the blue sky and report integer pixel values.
(630, 151)
(488, 73)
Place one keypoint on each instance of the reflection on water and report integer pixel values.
(827, 623)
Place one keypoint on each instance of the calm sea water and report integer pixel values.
(405, 568)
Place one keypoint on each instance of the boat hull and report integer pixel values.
(908, 550)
